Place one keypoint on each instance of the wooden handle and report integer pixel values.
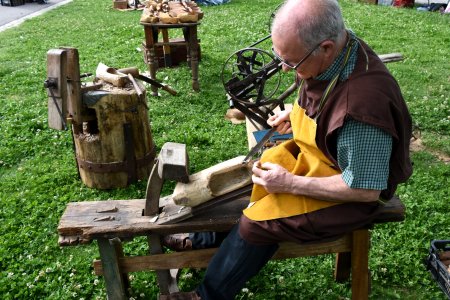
(169, 89)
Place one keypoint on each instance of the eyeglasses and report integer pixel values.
(294, 67)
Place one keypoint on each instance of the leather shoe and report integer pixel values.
(177, 242)
(180, 296)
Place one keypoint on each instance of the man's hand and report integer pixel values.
(281, 120)
(273, 177)
(276, 179)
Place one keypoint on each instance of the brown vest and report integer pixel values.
(370, 95)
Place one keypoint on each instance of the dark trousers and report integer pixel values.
(203, 240)
(232, 266)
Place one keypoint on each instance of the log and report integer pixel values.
(215, 181)
(391, 57)
(116, 148)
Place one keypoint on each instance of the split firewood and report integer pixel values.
(171, 12)
(166, 18)
(148, 16)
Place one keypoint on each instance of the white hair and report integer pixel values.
(313, 21)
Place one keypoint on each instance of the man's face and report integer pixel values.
(294, 56)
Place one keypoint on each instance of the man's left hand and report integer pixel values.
(273, 177)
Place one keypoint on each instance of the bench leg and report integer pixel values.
(343, 265)
(110, 251)
(166, 282)
(360, 264)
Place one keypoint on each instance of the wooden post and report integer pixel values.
(115, 285)
(57, 85)
(360, 264)
(74, 86)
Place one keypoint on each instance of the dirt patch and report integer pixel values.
(417, 145)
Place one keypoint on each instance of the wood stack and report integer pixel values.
(171, 12)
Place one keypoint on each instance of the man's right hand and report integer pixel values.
(281, 120)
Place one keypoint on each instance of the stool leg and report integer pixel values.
(343, 265)
(115, 284)
(360, 264)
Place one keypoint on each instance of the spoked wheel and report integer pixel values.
(251, 76)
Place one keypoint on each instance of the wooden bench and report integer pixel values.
(113, 221)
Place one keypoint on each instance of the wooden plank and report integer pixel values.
(56, 70)
(93, 219)
(82, 218)
(200, 258)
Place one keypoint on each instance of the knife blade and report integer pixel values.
(259, 145)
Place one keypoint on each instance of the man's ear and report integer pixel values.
(328, 48)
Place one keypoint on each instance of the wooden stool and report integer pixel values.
(151, 43)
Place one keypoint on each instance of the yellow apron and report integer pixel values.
(300, 156)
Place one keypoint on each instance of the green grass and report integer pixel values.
(38, 176)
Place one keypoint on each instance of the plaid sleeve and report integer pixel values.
(363, 154)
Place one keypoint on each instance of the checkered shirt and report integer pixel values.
(363, 155)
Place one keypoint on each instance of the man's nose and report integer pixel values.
(285, 68)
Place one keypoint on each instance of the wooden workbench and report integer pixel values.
(191, 42)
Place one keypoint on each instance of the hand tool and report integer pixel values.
(259, 145)
(136, 74)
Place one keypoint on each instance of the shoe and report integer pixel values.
(178, 242)
(180, 296)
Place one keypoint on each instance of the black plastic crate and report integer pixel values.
(437, 269)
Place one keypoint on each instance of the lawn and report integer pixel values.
(38, 174)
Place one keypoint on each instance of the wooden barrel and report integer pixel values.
(115, 147)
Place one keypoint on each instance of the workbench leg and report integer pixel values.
(151, 37)
(360, 264)
(166, 282)
(166, 48)
(193, 51)
(114, 280)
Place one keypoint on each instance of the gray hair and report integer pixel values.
(322, 22)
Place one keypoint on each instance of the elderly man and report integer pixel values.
(350, 147)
